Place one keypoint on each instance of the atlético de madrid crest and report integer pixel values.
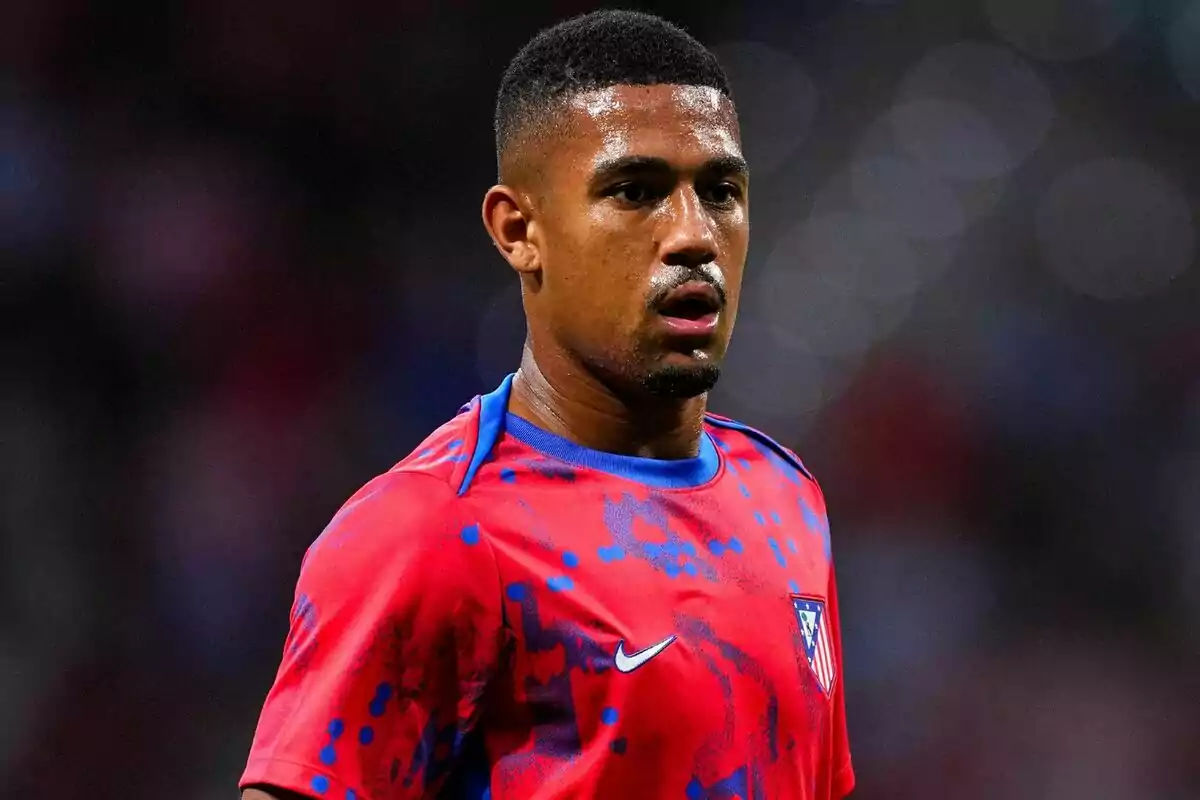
(818, 646)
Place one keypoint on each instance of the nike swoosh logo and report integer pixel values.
(628, 662)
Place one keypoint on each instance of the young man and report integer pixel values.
(582, 586)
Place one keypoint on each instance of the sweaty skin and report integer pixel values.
(638, 188)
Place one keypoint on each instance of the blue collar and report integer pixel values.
(495, 420)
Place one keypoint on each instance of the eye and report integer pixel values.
(633, 193)
(723, 194)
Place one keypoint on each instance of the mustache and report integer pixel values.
(676, 276)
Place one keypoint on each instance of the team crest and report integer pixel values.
(818, 648)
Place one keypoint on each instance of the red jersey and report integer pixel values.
(506, 614)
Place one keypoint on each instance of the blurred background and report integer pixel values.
(244, 272)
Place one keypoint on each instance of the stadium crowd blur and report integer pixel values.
(244, 272)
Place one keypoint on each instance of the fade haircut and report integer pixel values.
(595, 51)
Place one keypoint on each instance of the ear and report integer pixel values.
(507, 219)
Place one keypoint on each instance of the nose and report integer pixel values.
(688, 238)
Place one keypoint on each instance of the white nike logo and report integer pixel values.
(628, 663)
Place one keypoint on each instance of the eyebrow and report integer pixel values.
(625, 165)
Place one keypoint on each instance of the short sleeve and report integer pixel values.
(395, 631)
(841, 770)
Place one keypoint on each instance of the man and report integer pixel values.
(583, 585)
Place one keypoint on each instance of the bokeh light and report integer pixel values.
(1061, 29)
(1115, 228)
(972, 111)
(915, 201)
(816, 315)
(905, 182)
(177, 223)
(857, 253)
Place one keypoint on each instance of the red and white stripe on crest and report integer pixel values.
(822, 662)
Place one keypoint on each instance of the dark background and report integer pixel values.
(244, 272)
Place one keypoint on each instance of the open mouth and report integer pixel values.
(692, 301)
(691, 311)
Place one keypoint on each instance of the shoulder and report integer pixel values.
(397, 519)
(739, 441)
(405, 539)
(417, 508)
(745, 447)
(446, 450)
(456, 451)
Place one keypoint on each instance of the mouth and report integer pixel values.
(691, 310)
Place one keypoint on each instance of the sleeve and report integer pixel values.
(841, 770)
(395, 631)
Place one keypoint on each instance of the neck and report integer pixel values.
(564, 399)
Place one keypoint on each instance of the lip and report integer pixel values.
(691, 328)
(702, 325)
(697, 291)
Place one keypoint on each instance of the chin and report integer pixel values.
(682, 381)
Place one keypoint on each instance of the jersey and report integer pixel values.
(507, 614)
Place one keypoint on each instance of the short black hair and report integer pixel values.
(595, 51)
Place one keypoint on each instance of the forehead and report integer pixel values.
(685, 125)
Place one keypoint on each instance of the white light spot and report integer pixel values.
(501, 335)
(974, 199)
(1061, 29)
(915, 201)
(1114, 229)
(775, 98)
(1184, 41)
(972, 111)
(951, 139)
(598, 102)
(928, 258)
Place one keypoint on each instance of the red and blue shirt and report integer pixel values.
(508, 615)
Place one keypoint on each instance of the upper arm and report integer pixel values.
(394, 632)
